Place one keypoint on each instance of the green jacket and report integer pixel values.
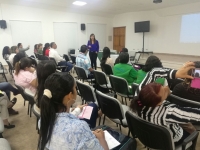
(125, 71)
(140, 76)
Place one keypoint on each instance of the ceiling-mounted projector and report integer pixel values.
(157, 1)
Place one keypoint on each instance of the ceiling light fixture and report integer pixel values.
(157, 1)
(79, 3)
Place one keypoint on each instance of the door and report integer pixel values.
(119, 34)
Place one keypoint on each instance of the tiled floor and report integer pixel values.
(24, 136)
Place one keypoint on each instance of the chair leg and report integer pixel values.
(120, 128)
(5, 77)
(122, 100)
(117, 124)
(104, 119)
(125, 101)
(28, 108)
(99, 121)
(37, 123)
(24, 102)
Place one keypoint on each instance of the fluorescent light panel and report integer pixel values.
(79, 3)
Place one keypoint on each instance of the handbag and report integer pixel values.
(127, 143)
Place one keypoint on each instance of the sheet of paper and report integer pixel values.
(86, 112)
(111, 141)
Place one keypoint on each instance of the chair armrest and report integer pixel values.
(191, 138)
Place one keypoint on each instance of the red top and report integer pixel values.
(47, 52)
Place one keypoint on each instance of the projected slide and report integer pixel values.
(190, 29)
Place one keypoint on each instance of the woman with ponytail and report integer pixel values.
(25, 74)
(59, 129)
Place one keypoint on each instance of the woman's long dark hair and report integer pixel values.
(60, 85)
(44, 69)
(152, 62)
(106, 54)
(5, 51)
(91, 39)
(148, 97)
(17, 57)
(45, 48)
(22, 64)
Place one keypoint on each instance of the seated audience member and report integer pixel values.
(151, 101)
(46, 49)
(14, 51)
(125, 70)
(40, 47)
(60, 61)
(5, 104)
(123, 50)
(6, 52)
(151, 62)
(25, 75)
(83, 61)
(21, 49)
(7, 88)
(106, 57)
(185, 90)
(57, 125)
(36, 49)
(17, 57)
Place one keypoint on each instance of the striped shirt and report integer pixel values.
(171, 115)
(168, 114)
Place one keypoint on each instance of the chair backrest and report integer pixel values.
(134, 87)
(137, 57)
(183, 102)
(100, 77)
(86, 92)
(151, 135)
(107, 69)
(73, 58)
(110, 106)
(72, 51)
(30, 98)
(80, 72)
(53, 60)
(9, 65)
(119, 85)
(66, 57)
(21, 90)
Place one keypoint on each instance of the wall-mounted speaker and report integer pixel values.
(3, 24)
(82, 26)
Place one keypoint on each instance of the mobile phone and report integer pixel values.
(196, 81)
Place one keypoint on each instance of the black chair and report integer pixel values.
(101, 79)
(134, 88)
(21, 91)
(3, 71)
(42, 57)
(81, 74)
(86, 92)
(155, 136)
(58, 67)
(11, 69)
(107, 69)
(185, 103)
(36, 112)
(112, 109)
(66, 57)
(120, 87)
(31, 101)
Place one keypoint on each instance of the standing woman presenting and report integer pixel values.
(93, 46)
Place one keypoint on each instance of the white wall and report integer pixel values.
(165, 30)
(47, 17)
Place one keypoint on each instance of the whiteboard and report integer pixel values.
(99, 31)
(27, 33)
(65, 34)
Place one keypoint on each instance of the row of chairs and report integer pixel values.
(149, 134)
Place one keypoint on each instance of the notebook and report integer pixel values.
(86, 112)
(111, 141)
